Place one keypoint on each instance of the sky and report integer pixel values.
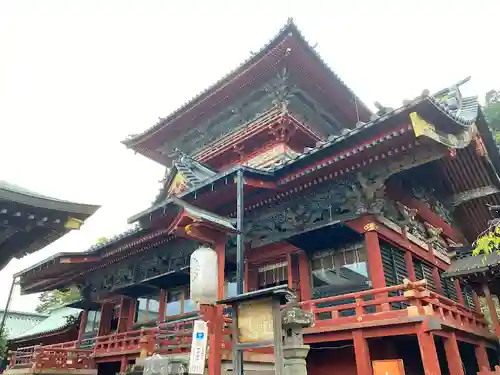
(77, 77)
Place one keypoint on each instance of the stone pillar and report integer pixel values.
(294, 320)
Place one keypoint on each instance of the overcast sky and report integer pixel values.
(76, 77)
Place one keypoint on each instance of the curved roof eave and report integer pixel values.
(21, 195)
(287, 29)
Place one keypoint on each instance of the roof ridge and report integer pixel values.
(194, 100)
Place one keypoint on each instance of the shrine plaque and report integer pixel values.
(255, 321)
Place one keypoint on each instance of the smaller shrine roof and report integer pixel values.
(18, 322)
(57, 320)
(31, 221)
(468, 264)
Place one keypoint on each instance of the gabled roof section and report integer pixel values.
(17, 322)
(220, 91)
(186, 173)
(59, 319)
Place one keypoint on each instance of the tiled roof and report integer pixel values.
(19, 194)
(57, 320)
(287, 29)
(463, 111)
(471, 264)
(18, 322)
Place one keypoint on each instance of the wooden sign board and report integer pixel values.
(255, 321)
(388, 367)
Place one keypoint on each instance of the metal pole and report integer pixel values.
(240, 254)
(7, 306)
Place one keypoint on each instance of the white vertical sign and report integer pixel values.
(198, 348)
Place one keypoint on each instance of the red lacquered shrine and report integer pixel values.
(357, 212)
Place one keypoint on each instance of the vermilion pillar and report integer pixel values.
(460, 295)
(437, 280)
(477, 303)
(409, 266)
(482, 358)
(428, 352)
(375, 265)
(491, 307)
(362, 353)
(163, 306)
(83, 323)
(453, 355)
(215, 314)
(304, 277)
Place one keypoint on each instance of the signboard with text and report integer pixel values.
(198, 348)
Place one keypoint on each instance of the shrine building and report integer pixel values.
(293, 180)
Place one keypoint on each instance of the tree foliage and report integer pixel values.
(489, 240)
(56, 298)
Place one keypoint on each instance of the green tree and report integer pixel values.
(492, 111)
(56, 298)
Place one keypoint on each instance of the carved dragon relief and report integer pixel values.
(334, 202)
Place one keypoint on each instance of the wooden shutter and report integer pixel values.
(468, 296)
(393, 260)
(419, 272)
(448, 286)
(395, 271)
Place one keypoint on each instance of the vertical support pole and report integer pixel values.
(375, 265)
(279, 365)
(83, 323)
(131, 313)
(460, 295)
(123, 364)
(428, 352)
(477, 303)
(163, 306)
(305, 277)
(437, 280)
(409, 266)
(245, 282)
(290, 270)
(105, 323)
(362, 353)
(7, 306)
(215, 314)
(453, 355)
(483, 362)
(491, 307)
(240, 254)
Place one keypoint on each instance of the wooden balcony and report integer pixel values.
(39, 359)
(390, 306)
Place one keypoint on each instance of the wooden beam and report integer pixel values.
(482, 358)
(428, 352)
(362, 353)
(375, 265)
(453, 355)
(492, 308)
(305, 277)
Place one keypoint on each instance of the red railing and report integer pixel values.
(409, 299)
(38, 357)
(330, 313)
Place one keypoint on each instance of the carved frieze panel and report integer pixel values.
(329, 203)
(165, 258)
(428, 197)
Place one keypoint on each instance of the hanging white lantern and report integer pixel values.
(203, 276)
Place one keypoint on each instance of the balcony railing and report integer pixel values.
(399, 301)
(39, 357)
(330, 313)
